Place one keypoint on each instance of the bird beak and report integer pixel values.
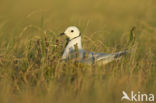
(62, 34)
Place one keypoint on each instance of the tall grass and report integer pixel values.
(30, 50)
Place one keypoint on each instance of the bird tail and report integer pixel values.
(120, 54)
(111, 57)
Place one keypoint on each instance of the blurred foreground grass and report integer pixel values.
(30, 70)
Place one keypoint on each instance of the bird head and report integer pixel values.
(71, 32)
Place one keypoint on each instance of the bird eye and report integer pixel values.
(72, 31)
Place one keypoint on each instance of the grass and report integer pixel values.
(30, 51)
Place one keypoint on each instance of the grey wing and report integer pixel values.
(106, 58)
(87, 57)
(92, 57)
(102, 58)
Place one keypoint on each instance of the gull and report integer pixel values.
(74, 43)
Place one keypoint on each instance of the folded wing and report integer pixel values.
(103, 58)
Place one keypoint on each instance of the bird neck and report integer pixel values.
(75, 37)
(74, 41)
(71, 46)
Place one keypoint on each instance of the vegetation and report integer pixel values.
(30, 50)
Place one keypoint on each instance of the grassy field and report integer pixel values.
(30, 67)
